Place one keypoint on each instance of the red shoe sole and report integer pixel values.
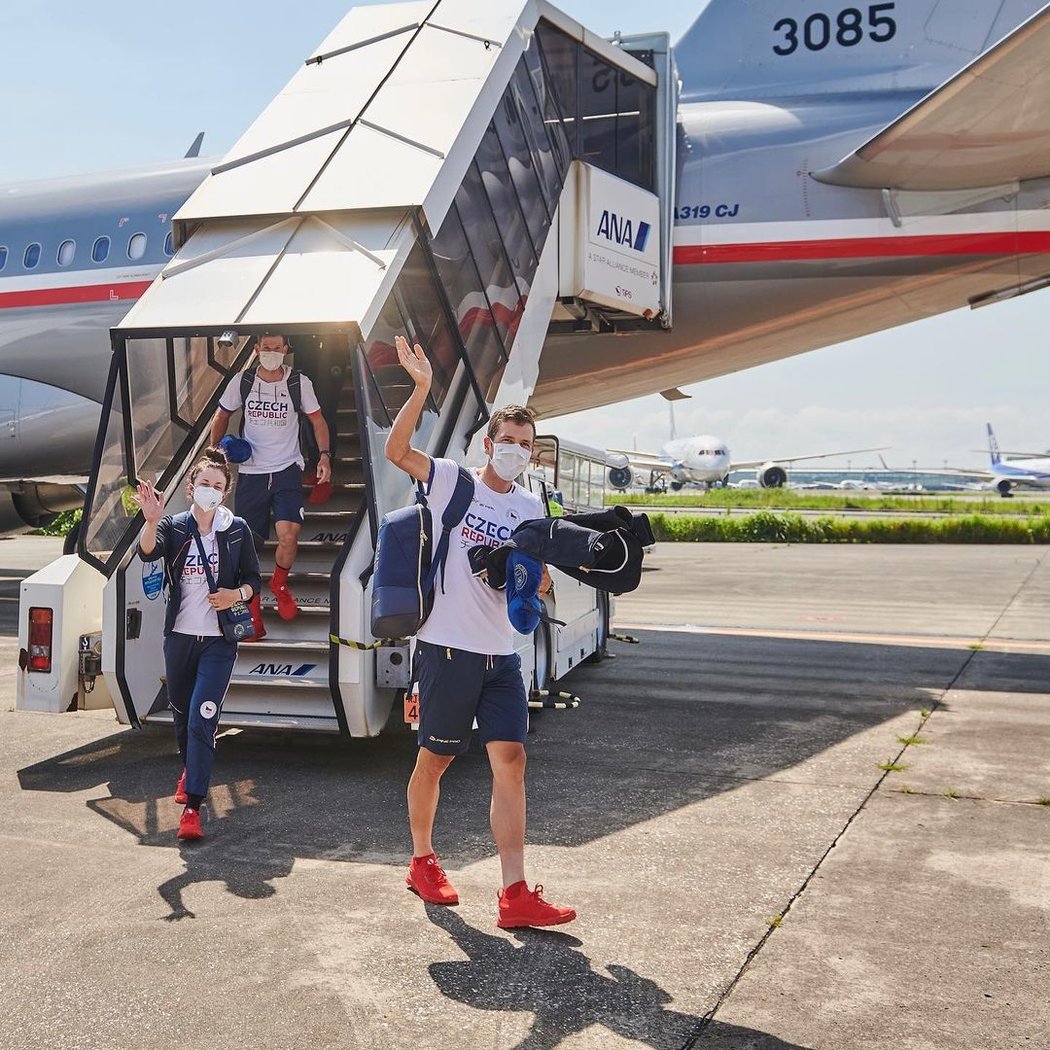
(429, 900)
(534, 925)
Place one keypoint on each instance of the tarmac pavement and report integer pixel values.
(746, 875)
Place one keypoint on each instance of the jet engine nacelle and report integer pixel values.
(33, 505)
(772, 476)
(620, 478)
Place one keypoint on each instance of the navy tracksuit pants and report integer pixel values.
(199, 671)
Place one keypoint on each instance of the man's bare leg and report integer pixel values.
(424, 790)
(507, 812)
(287, 543)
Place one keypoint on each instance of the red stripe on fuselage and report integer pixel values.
(88, 293)
(1027, 243)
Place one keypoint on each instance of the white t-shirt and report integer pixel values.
(195, 615)
(271, 424)
(470, 614)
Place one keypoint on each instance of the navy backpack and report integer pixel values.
(407, 561)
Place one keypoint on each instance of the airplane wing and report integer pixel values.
(651, 461)
(989, 125)
(753, 463)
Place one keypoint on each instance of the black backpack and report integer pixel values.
(407, 561)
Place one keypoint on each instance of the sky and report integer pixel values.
(117, 84)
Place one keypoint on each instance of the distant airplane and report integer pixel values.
(702, 460)
(1023, 472)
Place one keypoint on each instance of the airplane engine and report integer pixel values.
(772, 476)
(620, 478)
(34, 505)
(1004, 487)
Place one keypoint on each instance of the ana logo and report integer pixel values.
(521, 577)
(622, 231)
(275, 670)
(208, 709)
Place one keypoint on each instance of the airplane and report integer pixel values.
(839, 171)
(1026, 471)
(703, 460)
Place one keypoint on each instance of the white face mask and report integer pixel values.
(206, 497)
(508, 461)
(271, 360)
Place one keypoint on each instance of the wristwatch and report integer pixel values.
(324, 452)
(240, 592)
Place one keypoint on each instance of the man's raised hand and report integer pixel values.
(414, 362)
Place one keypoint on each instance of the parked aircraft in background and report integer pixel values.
(838, 172)
(704, 460)
(1022, 472)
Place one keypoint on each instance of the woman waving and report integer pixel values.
(210, 565)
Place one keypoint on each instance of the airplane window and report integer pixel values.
(31, 257)
(66, 251)
(137, 246)
(169, 247)
(3, 258)
(100, 250)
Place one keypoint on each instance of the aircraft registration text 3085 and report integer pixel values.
(845, 28)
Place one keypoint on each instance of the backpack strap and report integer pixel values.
(295, 390)
(458, 505)
(247, 382)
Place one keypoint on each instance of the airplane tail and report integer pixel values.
(993, 446)
(776, 48)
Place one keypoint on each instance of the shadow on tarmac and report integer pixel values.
(676, 720)
(547, 976)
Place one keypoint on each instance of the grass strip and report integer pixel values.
(789, 499)
(767, 527)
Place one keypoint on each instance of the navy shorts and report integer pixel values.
(262, 496)
(456, 686)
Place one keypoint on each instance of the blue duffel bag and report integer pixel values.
(407, 561)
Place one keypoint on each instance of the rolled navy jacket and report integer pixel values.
(238, 561)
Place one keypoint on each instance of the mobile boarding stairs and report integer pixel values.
(467, 174)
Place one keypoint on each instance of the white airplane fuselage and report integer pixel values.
(700, 460)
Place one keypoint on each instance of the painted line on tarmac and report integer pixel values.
(916, 640)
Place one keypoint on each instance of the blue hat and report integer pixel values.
(237, 449)
(524, 575)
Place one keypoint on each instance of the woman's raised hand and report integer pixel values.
(414, 362)
(149, 502)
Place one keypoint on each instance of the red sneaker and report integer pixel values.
(180, 790)
(520, 906)
(286, 606)
(255, 606)
(322, 492)
(190, 824)
(427, 879)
